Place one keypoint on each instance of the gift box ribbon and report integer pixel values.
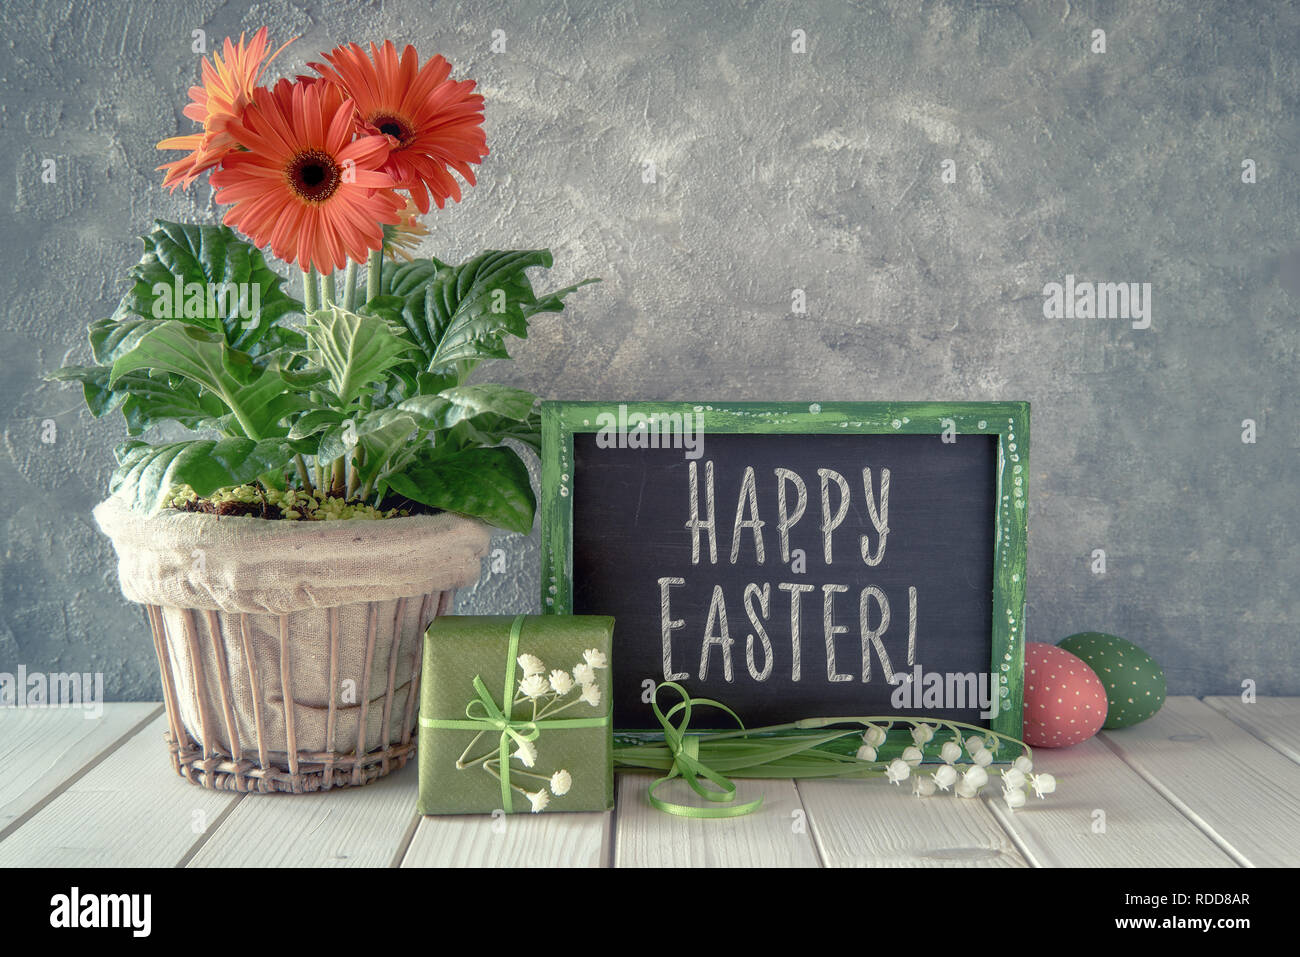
(491, 717)
(685, 751)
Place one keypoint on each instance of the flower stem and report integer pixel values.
(373, 271)
(303, 476)
(310, 297)
(350, 286)
(327, 288)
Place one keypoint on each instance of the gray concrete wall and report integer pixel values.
(775, 170)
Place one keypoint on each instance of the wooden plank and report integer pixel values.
(875, 824)
(1241, 792)
(1275, 721)
(1103, 814)
(776, 835)
(513, 840)
(130, 810)
(42, 748)
(349, 827)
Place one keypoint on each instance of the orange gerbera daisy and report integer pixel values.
(227, 89)
(304, 186)
(435, 124)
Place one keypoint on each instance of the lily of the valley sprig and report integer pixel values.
(549, 693)
(980, 748)
(773, 751)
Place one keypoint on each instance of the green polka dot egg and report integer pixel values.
(1134, 683)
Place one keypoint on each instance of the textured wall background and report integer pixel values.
(775, 170)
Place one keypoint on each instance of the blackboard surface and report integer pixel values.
(631, 546)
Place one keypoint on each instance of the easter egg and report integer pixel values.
(1134, 683)
(1065, 702)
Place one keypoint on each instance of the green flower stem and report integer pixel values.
(529, 774)
(350, 287)
(373, 272)
(303, 476)
(327, 289)
(338, 477)
(550, 711)
(366, 490)
(310, 299)
(354, 471)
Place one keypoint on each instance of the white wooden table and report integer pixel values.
(1206, 783)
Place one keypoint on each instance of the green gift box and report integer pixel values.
(515, 714)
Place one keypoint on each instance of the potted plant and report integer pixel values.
(337, 473)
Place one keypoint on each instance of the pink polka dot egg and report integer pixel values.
(1065, 702)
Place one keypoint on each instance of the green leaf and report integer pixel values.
(471, 401)
(356, 350)
(99, 395)
(204, 259)
(315, 421)
(489, 429)
(197, 354)
(463, 313)
(204, 358)
(148, 473)
(489, 484)
(155, 397)
(379, 434)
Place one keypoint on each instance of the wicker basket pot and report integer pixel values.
(290, 651)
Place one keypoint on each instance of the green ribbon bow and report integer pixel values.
(494, 718)
(685, 749)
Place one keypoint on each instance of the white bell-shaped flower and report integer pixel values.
(1043, 784)
(945, 777)
(897, 771)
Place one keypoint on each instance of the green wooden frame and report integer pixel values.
(1009, 421)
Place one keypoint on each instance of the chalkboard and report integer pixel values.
(796, 560)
